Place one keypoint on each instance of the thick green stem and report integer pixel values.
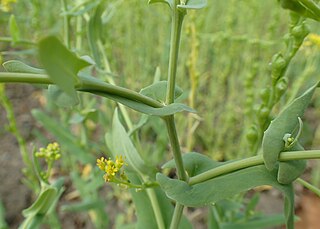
(88, 85)
(174, 141)
(177, 19)
(249, 162)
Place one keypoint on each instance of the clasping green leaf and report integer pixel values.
(287, 120)
(277, 138)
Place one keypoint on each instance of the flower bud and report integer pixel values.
(265, 95)
(252, 134)
(263, 113)
(281, 87)
(300, 32)
(278, 63)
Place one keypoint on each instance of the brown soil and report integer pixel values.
(14, 195)
(309, 212)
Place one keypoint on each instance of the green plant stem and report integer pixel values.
(178, 210)
(251, 161)
(88, 85)
(309, 186)
(174, 141)
(14, 129)
(66, 23)
(156, 208)
(177, 19)
(176, 26)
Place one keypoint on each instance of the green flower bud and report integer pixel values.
(265, 94)
(300, 32)
(281, 87)
(278, 63)
(264, 113)
(252, 134)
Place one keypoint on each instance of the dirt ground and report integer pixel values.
(15, 196)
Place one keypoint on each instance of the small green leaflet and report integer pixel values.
(61, 64)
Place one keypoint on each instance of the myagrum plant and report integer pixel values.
(201, 181)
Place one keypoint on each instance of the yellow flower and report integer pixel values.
(313, 39)
(101, 163)
(119, 161)
(51, 153)
(110, 167)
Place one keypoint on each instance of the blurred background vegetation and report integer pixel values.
(224, 65)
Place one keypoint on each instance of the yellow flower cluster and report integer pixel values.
(51, 153)
(110, 167)
(315, 39)
(6, 5)
(312, 40)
